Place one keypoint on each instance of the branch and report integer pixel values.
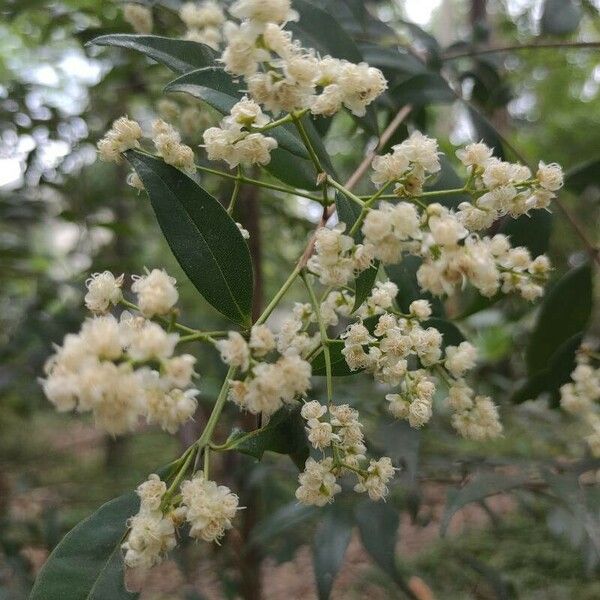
(520, 48)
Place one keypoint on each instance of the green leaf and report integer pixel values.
(560, 17)
(378, 526)
(331, 540)
(482, 486)
(394, 59)
(583, 175)
(485, 131)
(452, 336)
(203, 237)
(404, 275)
(283, 434)
(364, 284)
(286, 518)
(320, 30)
(339, 366)
(565, 312)
(87, 564)
(348, 211)
(549, 381)
(180, 56)
(532, 231)
(423, 89)
(293, 170)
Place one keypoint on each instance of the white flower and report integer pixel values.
(245, 233)
(550, 177)
(151, 493)
(480, 422)
(201, 15)
(379, 473)
(139, 17)
(262, 340)
(149, 342)
(460, 359)
(320, 435)
(210, 507)
(156, 292)
(104, 289)
(474, 155)
(318, 484)
(179, 370)
(123, 135)
(151, 536)
(101, 337)
(420, 309)
(313, 410)
(264, 11)
(170, 409)
(168, 145)
(234, 351)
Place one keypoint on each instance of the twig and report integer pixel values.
(520, 48)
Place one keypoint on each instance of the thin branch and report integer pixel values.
(520, 48)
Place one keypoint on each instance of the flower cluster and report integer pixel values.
(408, 165)
(283, 76)
(337, 258)
(123, 369)
(208, 508)
(139, 17)
(502, 188)
(234, 142)
(341, 435)
(203, 21)
(265, 386)
(580, 397)
(168, 145)
(124, 134)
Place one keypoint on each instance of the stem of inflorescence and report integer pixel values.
(365, 209)
(278, 296)
(324, 338)
(311, 151)
(236, 191)
(337, 185)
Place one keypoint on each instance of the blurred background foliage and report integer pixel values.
(531, 528)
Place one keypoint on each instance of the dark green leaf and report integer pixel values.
(348, 211)
(422, 89)
(404, 275)
(211, 84)
(482, 486)
(339, 366)
(293, 170)
(331, 540)
(580, 177)
(284, 519)
(401, 443)
(87, 564)
(364, 284)
(532, 231)
(396, 60)
(203, 237)
(485, 131)
(180, 56)
(560, 366)
(560, 17)
(283, 434)
(378, 525)
(319, 30)
(564, 312)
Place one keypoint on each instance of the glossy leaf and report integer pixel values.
(580, 177)
(339, 366)
(283, 434)
(560, 17)
(565, 312)
(395, 60)
(180, 56)
(484, 131)
(320, 30)
(482, 486)
(331, 540)
(87, 564)
(203, 237)
(423, 89)
(558, 372)
(532, 231)
(378, 526)
(363, 285)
